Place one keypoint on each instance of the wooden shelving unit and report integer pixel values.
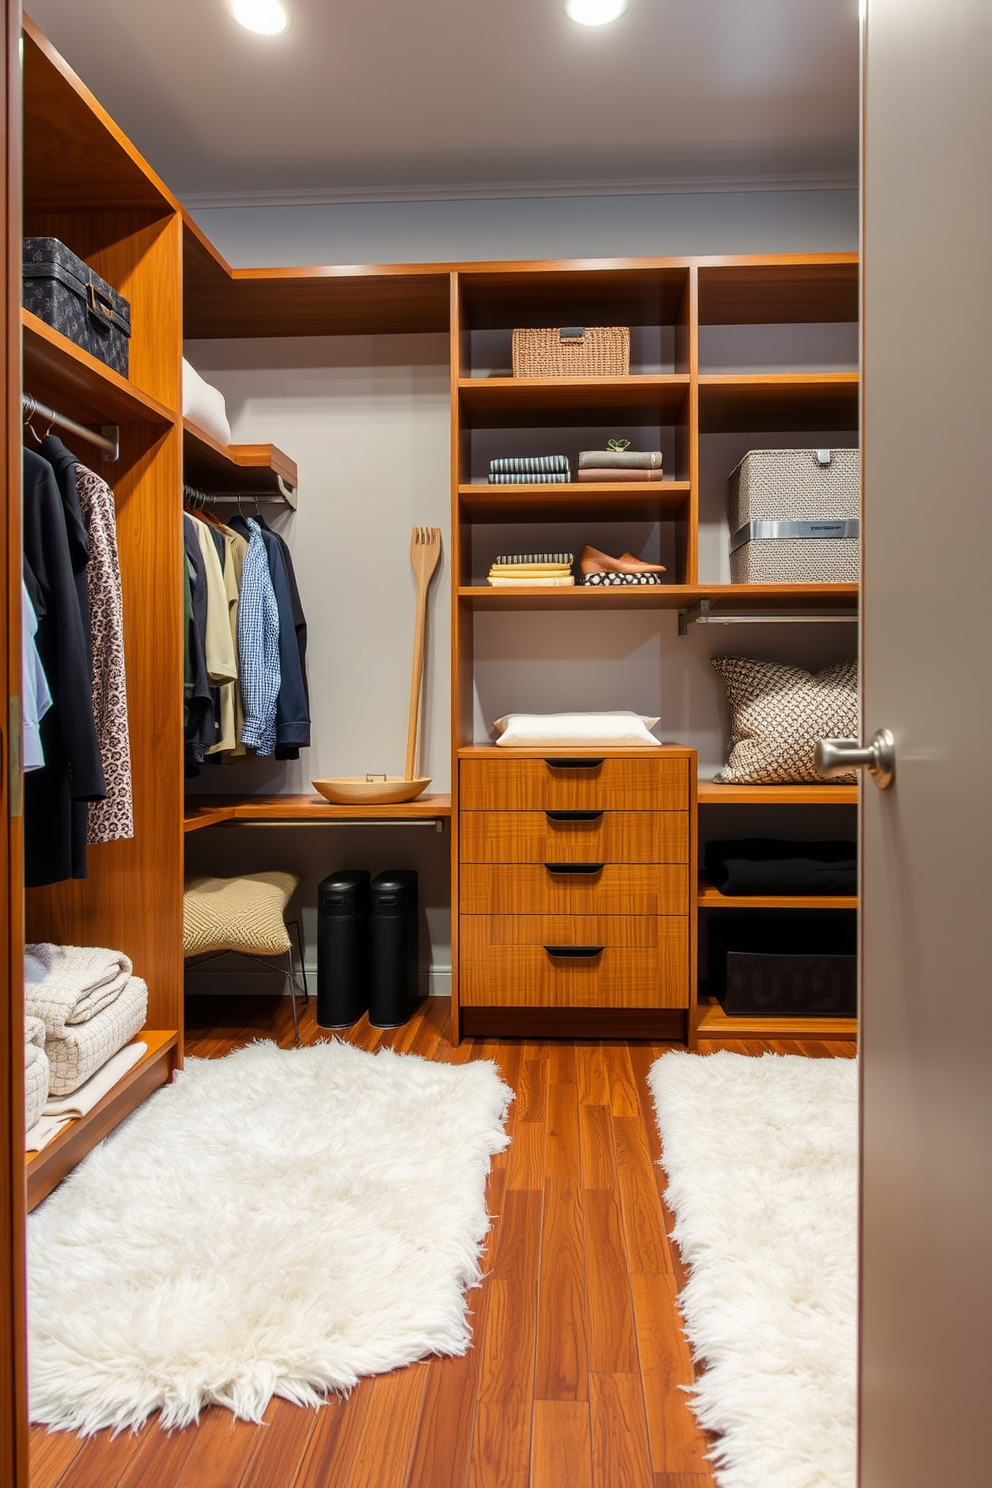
(712, 794)
(621, 501)
(709, 897)
(714, 1023)
(85, 388)
(208, 811)
(260, 469)
(49, 1166)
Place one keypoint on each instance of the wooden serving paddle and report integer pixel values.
(425, 550)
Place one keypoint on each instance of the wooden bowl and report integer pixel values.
(357, 790)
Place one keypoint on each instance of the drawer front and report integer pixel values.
(639, 962)
(536, 888)
(618, 784)
(611, 837)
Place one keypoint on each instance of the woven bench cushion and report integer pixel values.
(237, 914)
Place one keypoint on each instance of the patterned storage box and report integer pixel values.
(572, 351)
(69, 296)
(795, 517)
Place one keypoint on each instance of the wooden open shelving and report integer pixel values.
(730, 403)
(712, 794)
(709, 897)
(208, 811)
(759, 597)
(514, 395)
(80, 385)
(714, 1023)
(617, 501)
(49, 1166)
(240, 468)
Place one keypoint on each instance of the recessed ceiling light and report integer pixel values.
(594, 12)
(266, 17)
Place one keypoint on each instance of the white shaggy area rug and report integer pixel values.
(762, 1163)
(277, 1222)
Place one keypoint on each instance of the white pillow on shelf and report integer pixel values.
(553, 730)
(204, 405)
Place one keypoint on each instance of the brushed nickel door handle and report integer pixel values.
(839, 756)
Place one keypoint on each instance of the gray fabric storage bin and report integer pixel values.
(795, 517)
(68, 295)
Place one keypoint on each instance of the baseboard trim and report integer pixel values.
(663, 1024)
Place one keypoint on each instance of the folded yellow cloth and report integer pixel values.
(532, 570)
(551, 582)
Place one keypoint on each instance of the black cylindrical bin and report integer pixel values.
(342, 948)
(394, 971)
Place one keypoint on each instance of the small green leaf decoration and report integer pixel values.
(617, 446)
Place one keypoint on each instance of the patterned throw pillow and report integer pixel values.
(778, 713)
(237, 914)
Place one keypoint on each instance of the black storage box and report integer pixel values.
(394, 969)
(784, 962)
(69, 296)
(342, 948)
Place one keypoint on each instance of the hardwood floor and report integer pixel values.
(575, 1376)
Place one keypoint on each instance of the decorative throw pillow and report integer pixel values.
(547, 730)
(237, 914)
(777, 715)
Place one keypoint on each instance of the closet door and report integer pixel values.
(926, 1027)
(13, 1404)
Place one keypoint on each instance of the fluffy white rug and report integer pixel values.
(278, 1222)
(762, 1160)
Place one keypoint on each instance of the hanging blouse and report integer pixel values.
(112, 819)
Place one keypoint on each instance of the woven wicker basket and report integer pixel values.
(572, 351)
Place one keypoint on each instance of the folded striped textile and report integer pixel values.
(615, 580)
(529, 465)
(606, 473)
(554, 582)
(502, 559)
(529, 479)
(620, 459)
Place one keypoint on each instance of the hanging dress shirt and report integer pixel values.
(292, 707)
(258, 643)
(35, 696)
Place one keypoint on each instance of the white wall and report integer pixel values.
(535, 227)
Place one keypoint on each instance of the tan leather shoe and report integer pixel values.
(592, 561)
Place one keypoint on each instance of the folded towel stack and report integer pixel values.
(90, 1005)
(542, 570)
(58, 1112)
(35, 1070)
(530, 470)
(620, 465)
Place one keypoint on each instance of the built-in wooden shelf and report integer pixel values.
(247, 468)
(619, 501)
(713, 794)
(80, 385)
(714, 1023)
(740, 597)
(208, 811)
(739, 402)
(47, 1168)
(709, 897)
(530, 395)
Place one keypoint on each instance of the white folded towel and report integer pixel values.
(204, 405)
(85, 1047)
(36, 1072)
(43, 1131)
(70, 984)
(89, 1094)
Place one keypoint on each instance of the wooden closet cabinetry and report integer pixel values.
(574, 884)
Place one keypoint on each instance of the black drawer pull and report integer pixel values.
(574, 764)
(573, 815)
(574, 867)
(585, 952)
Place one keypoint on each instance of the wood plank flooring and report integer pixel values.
(576, 1373)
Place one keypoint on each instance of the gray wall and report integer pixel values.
(535, 227)
(366, 418)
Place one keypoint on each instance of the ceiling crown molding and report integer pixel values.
(661, 186)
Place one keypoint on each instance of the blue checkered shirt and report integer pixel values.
(258, 646)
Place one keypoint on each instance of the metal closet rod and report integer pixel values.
(437, 822)
(108, 440)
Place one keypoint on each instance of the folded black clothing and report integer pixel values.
(764, 865)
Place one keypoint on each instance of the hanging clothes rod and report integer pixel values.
(702, 614)
(108, 440)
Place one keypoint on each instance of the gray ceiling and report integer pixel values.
(387, 97)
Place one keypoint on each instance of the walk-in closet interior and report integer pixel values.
(572, 918)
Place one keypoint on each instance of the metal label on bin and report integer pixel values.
(846, 527)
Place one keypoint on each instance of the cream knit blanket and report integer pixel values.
(84, 1047)
(66, 985)
(35, 1070)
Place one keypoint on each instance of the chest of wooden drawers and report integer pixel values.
(574, 883)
